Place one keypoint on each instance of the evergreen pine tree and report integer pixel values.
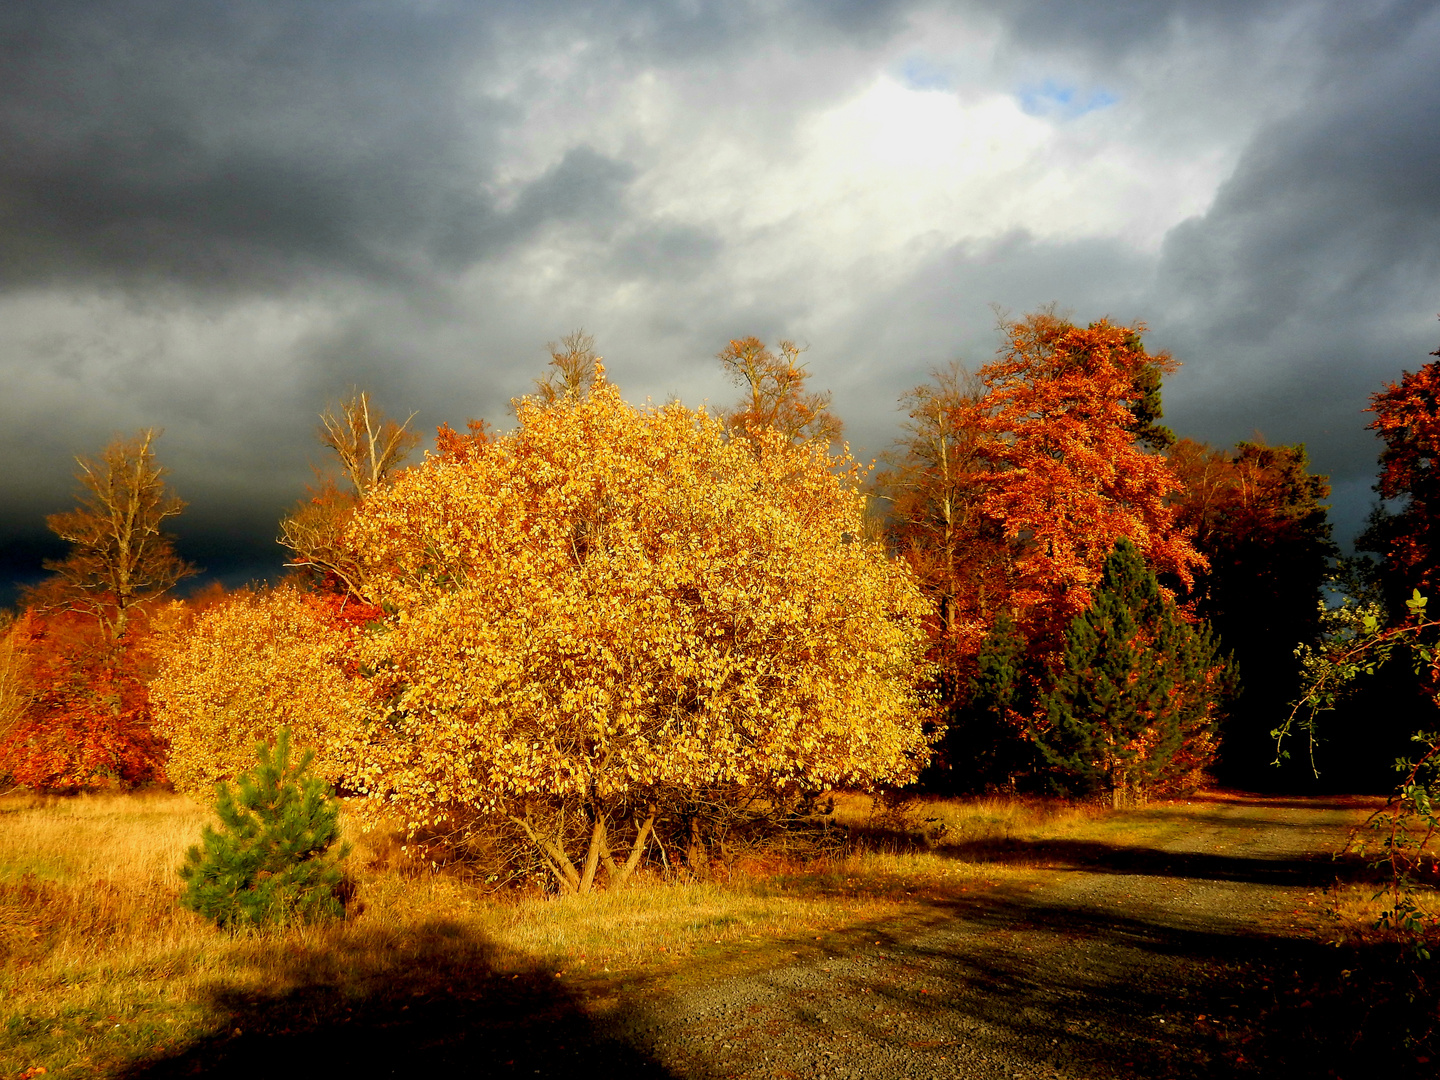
(985, 744)
(1133, 704)
(271, 860)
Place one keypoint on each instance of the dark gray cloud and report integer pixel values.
(237, 144)
(247, 145)
(1315, 276)
(216, 215)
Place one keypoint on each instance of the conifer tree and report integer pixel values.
(1133, 704)
(271, 860)
(986, 741)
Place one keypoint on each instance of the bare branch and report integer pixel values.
(370, 444)
(119, 557)
(574, 367)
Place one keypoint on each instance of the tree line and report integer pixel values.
(615, 630)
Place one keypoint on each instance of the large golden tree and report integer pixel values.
(614, 605)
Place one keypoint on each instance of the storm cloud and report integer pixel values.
(216, 216)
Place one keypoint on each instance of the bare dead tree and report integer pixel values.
(119, 556)
(777, 395)
(370, 446)
(572, 368)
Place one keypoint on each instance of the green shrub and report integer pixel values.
(271, 860)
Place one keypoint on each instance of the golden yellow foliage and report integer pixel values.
(243, 668)
(616, 603)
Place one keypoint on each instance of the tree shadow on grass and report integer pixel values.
(431, 1001)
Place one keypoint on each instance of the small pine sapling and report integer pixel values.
(272, 860)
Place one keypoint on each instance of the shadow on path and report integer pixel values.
(1115, 988)
(1254, 800)
(432, 1002)
(1311, 871)
(1022, 985)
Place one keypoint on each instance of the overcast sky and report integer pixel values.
(217, 215)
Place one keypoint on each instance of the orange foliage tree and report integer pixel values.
(776, 398)
(82, 719)
(1012, 485)
(1058, 428)
(16, 685)
(80, 657)
(1010, 489)
(1407, 416)
(613, 610)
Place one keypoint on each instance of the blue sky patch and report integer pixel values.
(1053, 98)
(922, 73)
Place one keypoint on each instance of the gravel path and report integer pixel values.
(1135, 962)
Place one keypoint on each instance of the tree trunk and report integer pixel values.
(592, 858)
(695, 856)
(566, 876)
(620, 874)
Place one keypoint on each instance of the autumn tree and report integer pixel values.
(84, 647)
(368, 446)
(614, 613)
(776, 397)
(931, 491)
(451, 445)
(1058, 428)
(1133, 705)
(1007, 493)
(16, 681)
(79, 708)
(930, 494)
(1258, 516)
(251, 663)
(1407, 416)
(119, 557)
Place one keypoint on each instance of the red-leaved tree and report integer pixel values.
(1407, 416)
(86, 721)
(1011, 488)
(1059, 427)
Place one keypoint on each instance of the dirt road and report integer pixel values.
(1197, 958)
